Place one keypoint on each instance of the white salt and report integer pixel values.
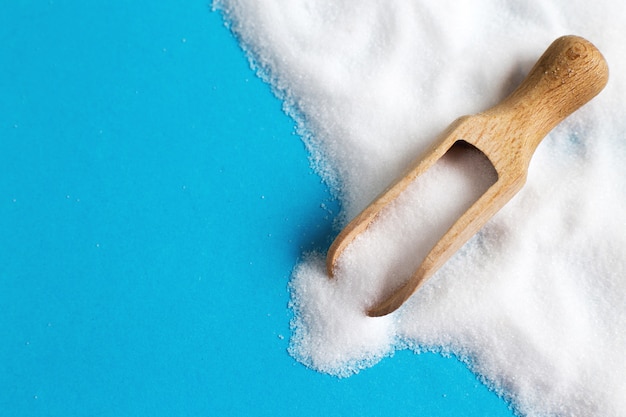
(537, 299)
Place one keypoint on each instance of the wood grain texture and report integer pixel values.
(570, 73)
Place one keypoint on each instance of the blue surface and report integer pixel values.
(153, 202)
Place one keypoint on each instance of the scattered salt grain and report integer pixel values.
(538, 298)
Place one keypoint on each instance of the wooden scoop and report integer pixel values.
(569, 74)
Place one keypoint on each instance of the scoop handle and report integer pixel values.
(570, 73)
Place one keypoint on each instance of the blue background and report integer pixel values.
(154, 199)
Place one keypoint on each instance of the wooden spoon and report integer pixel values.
(570, 73)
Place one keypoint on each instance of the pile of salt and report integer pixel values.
(538, 298)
